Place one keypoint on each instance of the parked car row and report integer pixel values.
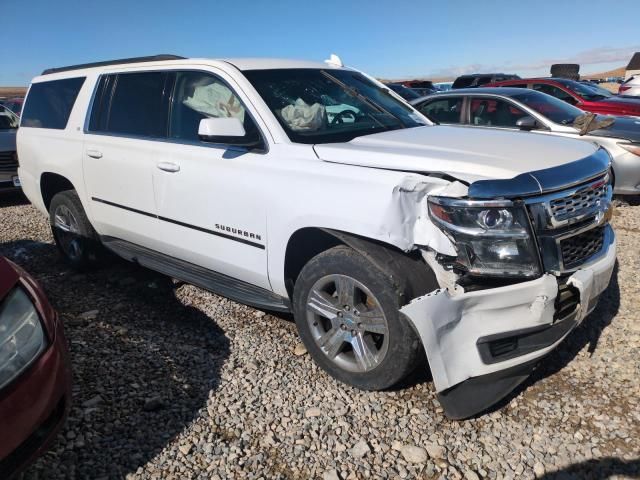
(310, 188)
(537, 113)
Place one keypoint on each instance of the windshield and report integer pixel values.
(554, 109)
(8, 119)
(326, 106)
(587, 92)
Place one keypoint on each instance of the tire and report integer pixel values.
(395, 352)
(566, 70)
(74, 235)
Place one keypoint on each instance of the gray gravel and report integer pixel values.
(173, 382)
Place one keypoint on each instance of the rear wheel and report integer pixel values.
(75, 237)
(346, 311)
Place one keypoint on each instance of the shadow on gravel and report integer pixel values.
(12, 199)
(143, 364)
(587, 333)
(596, 470)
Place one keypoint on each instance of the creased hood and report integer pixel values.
(466, 153)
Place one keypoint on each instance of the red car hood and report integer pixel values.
(8, 277)
(623, 106)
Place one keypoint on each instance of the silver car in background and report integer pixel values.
(8, 157)
(536, 113)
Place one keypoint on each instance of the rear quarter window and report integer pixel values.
(49, 104)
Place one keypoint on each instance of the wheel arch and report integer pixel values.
(51, 184)
(408, 270)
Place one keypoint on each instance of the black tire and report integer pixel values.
(570, 71)
(404, 348)
(81, 248)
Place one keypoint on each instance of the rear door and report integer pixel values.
(445, 110)
(494, 112)
(126, 129)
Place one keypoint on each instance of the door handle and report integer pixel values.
(168, 167)
(94, 153)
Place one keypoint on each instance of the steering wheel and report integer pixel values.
(338, 117)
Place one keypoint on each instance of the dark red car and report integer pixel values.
(35, 376)
(578, 94)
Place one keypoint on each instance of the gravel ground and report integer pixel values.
(172, 382)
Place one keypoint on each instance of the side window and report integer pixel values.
(199, 95)
(49, 104)
(138, 104)
(554, 92)
(446, 110)
(494, 113)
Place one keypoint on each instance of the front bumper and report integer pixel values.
(457, 329)
(34, 407)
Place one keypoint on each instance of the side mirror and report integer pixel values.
(229, 131)
(527, 123)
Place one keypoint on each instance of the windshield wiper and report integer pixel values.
(589, 122)
(354, 91)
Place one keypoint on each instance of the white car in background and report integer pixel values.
(630, 87)
(536, 113)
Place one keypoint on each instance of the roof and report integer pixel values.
(270, 63)
(502, 91)
(157, 60)
(634, 63)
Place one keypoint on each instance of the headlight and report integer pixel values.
(491, 237)
(22, 338)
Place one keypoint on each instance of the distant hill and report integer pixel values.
(13, 91)
(618, 72)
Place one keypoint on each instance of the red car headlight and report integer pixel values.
(22, 338)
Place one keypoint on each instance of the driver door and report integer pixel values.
(210, 198)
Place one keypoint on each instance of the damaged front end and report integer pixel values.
(530, 258)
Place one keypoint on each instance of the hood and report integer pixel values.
(629, 105)
(466, 153)
(626, 128)
(8, 140)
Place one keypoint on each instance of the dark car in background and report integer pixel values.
(479, 79)
(35, 375)
(404, 92)
(579, 95)
(8, 157)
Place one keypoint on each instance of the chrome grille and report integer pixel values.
(584, 200)
(8, 162)
(571, 225)
(577, 249)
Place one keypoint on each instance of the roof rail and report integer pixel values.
(152, 58)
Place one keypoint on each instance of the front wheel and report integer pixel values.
(346, 311)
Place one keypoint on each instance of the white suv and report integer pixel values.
(630, 87)
(384, 234)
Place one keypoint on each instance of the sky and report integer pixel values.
(387, 39)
